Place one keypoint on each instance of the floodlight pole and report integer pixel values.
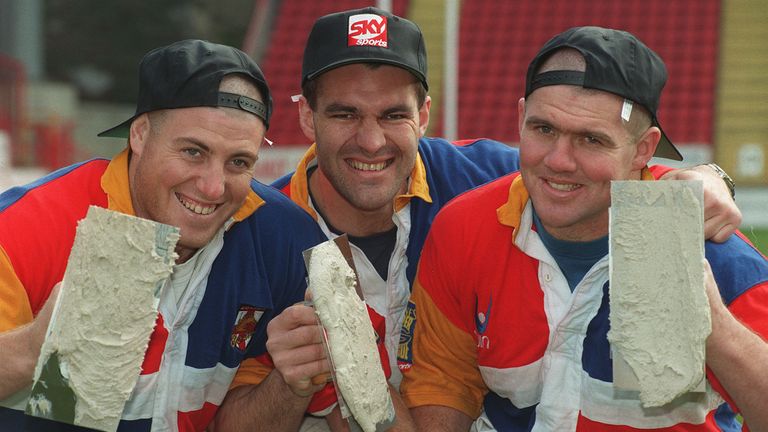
(451, 71)
(384, 5)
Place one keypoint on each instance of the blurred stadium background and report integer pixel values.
(68, 71)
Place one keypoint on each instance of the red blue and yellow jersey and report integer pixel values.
(493, 327)
(255, 272)
(442, 170)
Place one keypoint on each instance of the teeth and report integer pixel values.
(197, 208)
(563, 186)
(367, 166)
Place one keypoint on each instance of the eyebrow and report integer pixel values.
(397, 108)
(582, 132)
(340, 107)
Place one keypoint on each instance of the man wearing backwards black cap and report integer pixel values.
(373, 175)
(201, 116)
(535, 355)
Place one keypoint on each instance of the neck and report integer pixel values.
(184, 254)
(342, 215)
(585, 232)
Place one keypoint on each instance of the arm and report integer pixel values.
(21, 348)
(737, 356)
(440, 418)
(279, 402)
(721, 215)
(403, 421)
(443, 387)
(438, 354)
(268, 406)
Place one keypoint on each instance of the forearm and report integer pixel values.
(403, 421)
(269, 406)
(737, 356)
(17, 359)
(440, 418)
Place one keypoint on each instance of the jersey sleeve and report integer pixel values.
(659, 170)
(741, 273)
(751, 309)
(437, 351)
(14, 303)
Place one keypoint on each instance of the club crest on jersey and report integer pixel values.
(245, 324)
(367, 29)
(405, 348)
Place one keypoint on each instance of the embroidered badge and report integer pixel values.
(405, 348)
(245, 324)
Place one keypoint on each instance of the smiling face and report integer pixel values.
(192, 168)
(572, 144)
(366, 123)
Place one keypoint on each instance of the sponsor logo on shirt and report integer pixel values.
(405, 349)
(481, 323)
(245, 324)
(367, 29)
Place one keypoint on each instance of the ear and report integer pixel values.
(424, 115)
(646, 147)
(139, 134)
(520, 115)
(306, 119)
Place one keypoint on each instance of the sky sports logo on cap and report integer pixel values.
(367, 29)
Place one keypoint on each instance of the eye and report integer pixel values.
(544, 129)
(589, 139)
(192, 151)
(241, 163)
(396, 116)
(343, 116)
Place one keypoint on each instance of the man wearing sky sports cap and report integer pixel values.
(373, 175)
(202, 112)
(511, 297)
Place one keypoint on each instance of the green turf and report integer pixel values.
(758, 237)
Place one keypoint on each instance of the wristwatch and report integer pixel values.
(726, 178)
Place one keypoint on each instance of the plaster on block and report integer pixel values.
(101, 324)
(351, 339)
(660, 315)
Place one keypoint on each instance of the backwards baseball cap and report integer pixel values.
(616, 62)
(368, 35)
(187, 74)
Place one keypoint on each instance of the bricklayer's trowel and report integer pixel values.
(342, 243)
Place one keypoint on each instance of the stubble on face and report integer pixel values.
(573, 145)
(366, 125)
(194, 172)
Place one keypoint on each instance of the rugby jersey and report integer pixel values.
(442, 170)
(492, 326)
(249, 273)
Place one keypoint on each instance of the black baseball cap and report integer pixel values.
(187, 74)
(616, 62)
(367, 35)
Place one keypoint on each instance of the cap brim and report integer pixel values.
(120, 131)
(355, 60)
(666, 149)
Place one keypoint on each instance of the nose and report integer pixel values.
(211, 182)
(370, 136)
(560, 157)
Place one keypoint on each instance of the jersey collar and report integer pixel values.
(510, 213)
(299, 187)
